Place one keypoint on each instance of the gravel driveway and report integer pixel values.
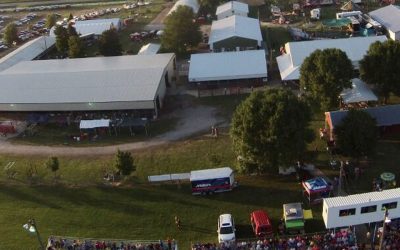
(192, 120)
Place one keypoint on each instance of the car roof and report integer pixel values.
(261, 218)
(225, 219)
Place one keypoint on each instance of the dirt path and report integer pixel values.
(192, 120)
(158, 22)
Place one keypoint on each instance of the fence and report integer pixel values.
(169, 177)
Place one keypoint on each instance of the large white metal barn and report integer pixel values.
(88, 84)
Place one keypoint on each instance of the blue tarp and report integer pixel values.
(316, 184)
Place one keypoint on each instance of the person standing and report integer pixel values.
(177, 222)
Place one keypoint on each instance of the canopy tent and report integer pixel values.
(130, 122)
(316, 189)
(88, 124)
(388, 176)
(359, 92)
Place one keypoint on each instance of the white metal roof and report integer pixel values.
(388, 16)
(232, 6)
(232, 26)
(364, 198)
(227, 65)
(83, 80)
(210, 173)
(27, 51)
(96, 26)
(149, 49)
(358, 93)
(355, 48)
(190, 3)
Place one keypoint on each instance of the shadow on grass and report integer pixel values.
(19, 194)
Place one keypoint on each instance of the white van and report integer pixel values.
(226, 229)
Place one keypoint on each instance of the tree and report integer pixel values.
(71, 30)
(75, 47)
(53, 164)
(209, 6)
(324, 74)
(357, 134)
(11, 34)
(380, 66)
(61, 38)
(270, 129)
(124, 162)
(109, 43)
(70, 17)
(181, 32)
(50, 20)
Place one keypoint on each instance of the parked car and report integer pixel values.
(261, 223)
(226, 229)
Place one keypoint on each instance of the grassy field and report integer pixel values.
(81, 204)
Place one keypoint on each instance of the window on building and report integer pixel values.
(390, 205)
(347, 212)
(369, 209)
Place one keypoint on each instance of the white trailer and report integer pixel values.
(212, 180)
(360, 208)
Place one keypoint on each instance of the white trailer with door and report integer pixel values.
(360, 208)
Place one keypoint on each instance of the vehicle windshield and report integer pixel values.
(226, 230)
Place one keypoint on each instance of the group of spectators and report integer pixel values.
(392, 235)
(62, 243)
(329, 241)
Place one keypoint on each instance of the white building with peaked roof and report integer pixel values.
(289, 63)
(193, 4)
(235, 33)
(359, 92)
(232, 8)
(88, 84)
(389, 18)
(236, 65)
(93, 27)
(27, 52)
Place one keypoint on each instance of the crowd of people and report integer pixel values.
(339, 240)
(392, 235)
(63, 243)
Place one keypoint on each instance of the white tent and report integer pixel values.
(86, 124)
(193, 4)
(149, 49)
(358, 93)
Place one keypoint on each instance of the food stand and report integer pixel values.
(316, 189)
(293, 218)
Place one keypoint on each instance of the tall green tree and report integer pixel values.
(61, 39)
(75, 47)
(209, 6)
(50, 20)
(357, 134)
(124, 162)
(323, 76)
(71, 30)
(11, 34)
(380, 66)
(70, 17)
(109, 43)
(53, 164)
(181, 31)
(270, 129)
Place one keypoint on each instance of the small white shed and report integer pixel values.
(360, 208)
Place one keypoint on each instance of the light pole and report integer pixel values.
(32, 228)
(386, 219)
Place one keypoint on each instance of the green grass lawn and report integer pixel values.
(79, 205)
